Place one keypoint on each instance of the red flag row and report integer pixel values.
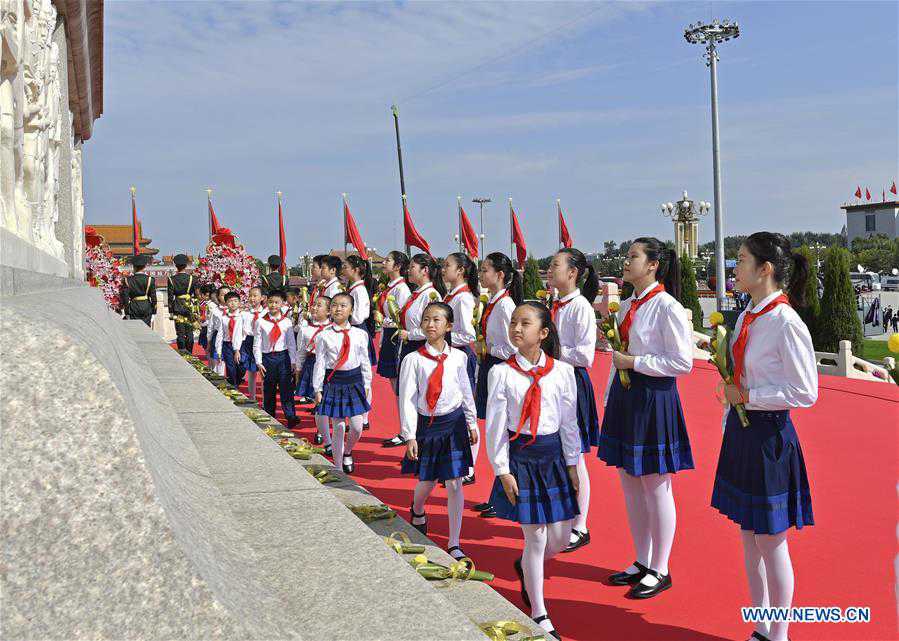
(858, 192)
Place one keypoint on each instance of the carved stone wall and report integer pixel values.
(41, 203)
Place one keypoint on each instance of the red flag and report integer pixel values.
(858, 191)
(351, 232)
(413, 238)
(521, 250)
(213, 221)
(469, 237)
(893, 188)
(135, 231)
(282, 240)
(564, 236)
(867, 194)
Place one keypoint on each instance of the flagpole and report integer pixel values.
(511, 232)
(459, 220)
(344, 225)
(399, 156)
(135, 241)
(559, 220)
(208, 217)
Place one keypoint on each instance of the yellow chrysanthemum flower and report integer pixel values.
(614, 307)
(716, 318)
(893, 343)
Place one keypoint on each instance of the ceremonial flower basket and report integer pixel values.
(227, 264)
(102, 269)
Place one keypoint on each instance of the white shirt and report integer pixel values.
(463, 314)
(506, 390)
(332, 288)
(327, 349)
(225, 336)
(660, 337)
(414, 373)
(249, 325)
(416, 311)
(779, 366)
(305, 347)
(213, 315)
(498, 343)
(576, 323)
(287, 340)
(361, 303)
(400, 291)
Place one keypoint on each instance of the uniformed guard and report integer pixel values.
(274, 280)
(181, 290)
(139, 292)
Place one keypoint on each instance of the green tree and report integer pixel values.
(876, 254)
(839, 319)
(812, 310)
(531, 278)
(689, 296)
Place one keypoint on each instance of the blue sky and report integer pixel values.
(603, 105)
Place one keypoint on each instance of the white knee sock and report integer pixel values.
(755, 572)
(558, 536)
(532, 566)
(251, 385)
(455, 502)
(337, 442)
(583, 497)
(354, 434)
(662, 521)
(420, 495)
(323, 423)
(637, 518)
(779, 576)
(474, 454)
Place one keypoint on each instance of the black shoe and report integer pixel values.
(623, 578)
(328, 452)
(348, 468)
(482, 507)
(640, 591)
(520, 573)
(366, 426)
(317, 439)
(392, 441)
(582, 539)
(421, 527)
(552, 632)
(759, 636)
(489, 513)
(292, 423)
(462, 554)
(468, 480)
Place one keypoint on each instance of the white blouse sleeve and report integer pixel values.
(257, 345)
(318, 372)
(408, 397)
(364, 360)
(676, 357)
(569, 430)
(497, 436)
(290, 341)
(468, 405)
(301, 348)
(502, 348)
(584, 349)
(799, 382)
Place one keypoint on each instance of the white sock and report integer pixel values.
(779, 575)
(583, 497)
(474, 454)
(755, 572)
(455, 502)
(337, 442)
(420, 495)
(365, 418)
(353, 435)
(557, 538)
(323, 424)
(637, 518)
(662, 521)
(547, 625)
(532, 566)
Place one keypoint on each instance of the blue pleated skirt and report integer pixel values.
(304, 384)
(444, 449)
(761, 482)
(202, 341)
(212, 353)
(472, 365)
(643, 428)
(545, 492)
(388, 358)
(246, 355)
(480, 396)
(587, 416)
(372, 357)
(344, 395)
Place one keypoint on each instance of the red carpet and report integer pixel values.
(845, 559)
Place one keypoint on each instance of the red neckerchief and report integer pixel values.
(488, 310)
(624, 328)
(386, 293)
(557, 305)
(275, 334)
(530, 408)
(344, 354)
(318, 330)
(743, 337)
(435, 380)
(450, 297)
(418, 292)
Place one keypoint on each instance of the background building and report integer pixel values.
(119, 239)
(870, 219)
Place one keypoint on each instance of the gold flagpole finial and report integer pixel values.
(344, 195)
(279, 195)
(133, 190)
(404, 197)
(558, 201)
(209, 193)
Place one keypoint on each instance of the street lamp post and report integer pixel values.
(482, 202)
(685, 213)
(710, 34)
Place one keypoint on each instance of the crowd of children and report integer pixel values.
(453, 357)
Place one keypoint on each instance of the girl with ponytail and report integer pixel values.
(424, 273)
(396, 267)
(533, 443)
(573, 314)
(643, 429)
(761, 482)
(359, 283)
(461, 276)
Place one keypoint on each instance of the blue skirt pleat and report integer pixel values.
(246, 355)
(761, 482)
(643, 428)
(212, 353)
(304, 384)
(472, 365)
(202, 340)
(372, 357)
(388, 358)
(480, 397)
(545, 492)
(444, 448)
(344, 395)
(587, 416)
